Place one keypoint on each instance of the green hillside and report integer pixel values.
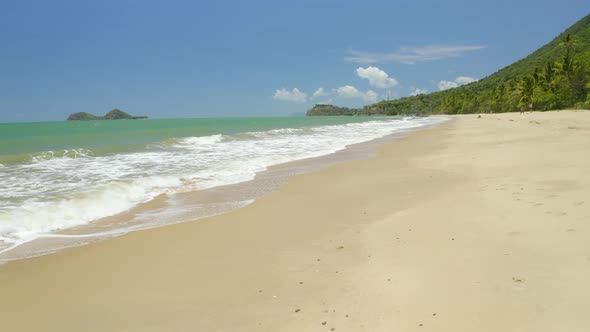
(323, 110)
(556, 76)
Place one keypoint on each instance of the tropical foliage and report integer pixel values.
(323, 110)
(556, 76)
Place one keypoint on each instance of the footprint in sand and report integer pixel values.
(519, 283)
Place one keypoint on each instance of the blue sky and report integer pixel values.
(170, 59)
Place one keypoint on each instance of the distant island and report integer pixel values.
(115, 114)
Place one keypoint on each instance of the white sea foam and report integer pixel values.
(70, 153)
(56, 192)
(200, 141)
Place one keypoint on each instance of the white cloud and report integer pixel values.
(319, 93)
(445, 85)
(376, 77)
(370, 96)
(412, 55)
(465, 80)
(326, 102)
(294, 95)
(349, 91)
(418, 91)
(460, 80)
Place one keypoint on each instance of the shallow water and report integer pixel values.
(83, 180)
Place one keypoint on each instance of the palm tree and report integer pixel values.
(569, 68)
(536, 75)
(525, 90)
(549, 76)
(569, 44)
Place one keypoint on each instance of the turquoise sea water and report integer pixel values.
(58, 175)
(21, 141)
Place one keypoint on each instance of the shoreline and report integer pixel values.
(475, 224)
(211, 202)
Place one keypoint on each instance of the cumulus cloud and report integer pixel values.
(294, 95)
(412, 55)
(376, 77)
(370, 96)
(465, 80)
(445, 85)
(418, 91)
(349, 91)
(319, 93)
(460, 80)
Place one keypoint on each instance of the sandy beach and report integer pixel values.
(478, 224)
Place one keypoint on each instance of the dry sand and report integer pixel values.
(480, 224)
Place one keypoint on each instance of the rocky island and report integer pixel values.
(115, 114)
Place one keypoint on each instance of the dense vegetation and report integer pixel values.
(323, 109)
(83, 116)
(115, 114)
(556, 76)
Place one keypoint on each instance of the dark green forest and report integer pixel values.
(556, 76)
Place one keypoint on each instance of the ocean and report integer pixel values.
(71, 183)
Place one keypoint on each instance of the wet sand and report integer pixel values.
(479, 224)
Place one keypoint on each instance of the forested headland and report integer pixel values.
(556, 76)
